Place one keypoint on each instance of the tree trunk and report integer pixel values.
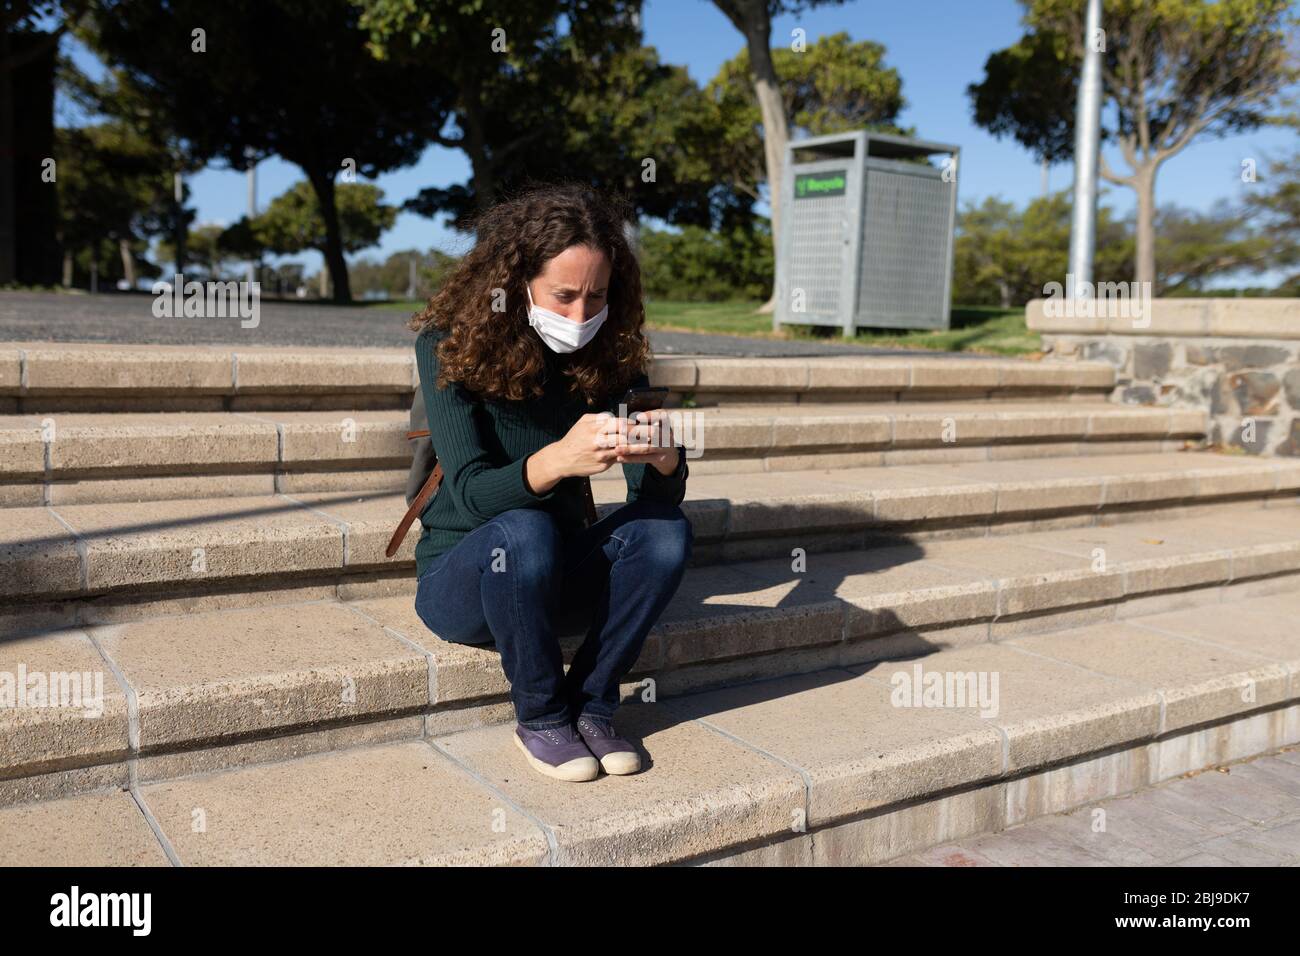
(771, 106)
(67, 269)
(1144, 184)
(8, 243)
(324, 289)
(323, 184)
(128, 261)
(482, 169)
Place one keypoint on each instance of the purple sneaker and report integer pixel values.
(616, 754)
(557, 752)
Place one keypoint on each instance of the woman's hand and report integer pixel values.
(649, 440)
(587, 449)
(598, 440)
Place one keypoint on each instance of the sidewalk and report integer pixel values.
(1242, 814)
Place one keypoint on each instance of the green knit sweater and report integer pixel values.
(482, 445)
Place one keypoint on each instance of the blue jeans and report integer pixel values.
(507, 580)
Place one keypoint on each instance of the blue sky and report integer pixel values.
(938, 47)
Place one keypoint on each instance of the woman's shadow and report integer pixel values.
(752, 594)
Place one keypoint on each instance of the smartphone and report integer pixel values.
(645, 399)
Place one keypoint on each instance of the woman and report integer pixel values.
(524, 356)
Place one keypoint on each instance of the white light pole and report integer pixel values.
(178, 194)
(1087, 140)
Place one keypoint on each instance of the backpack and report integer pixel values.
(426, 475)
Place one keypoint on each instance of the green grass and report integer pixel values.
(983, 329)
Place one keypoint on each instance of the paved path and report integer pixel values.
(1247, 816)
(129, 318)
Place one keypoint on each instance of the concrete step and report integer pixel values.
(852, 764)
(748, 516)
(78, 458)
(112, 552)
(192, 684)
(44, 377)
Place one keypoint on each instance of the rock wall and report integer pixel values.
(1237, 358)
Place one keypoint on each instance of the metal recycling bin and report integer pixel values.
(866, 233)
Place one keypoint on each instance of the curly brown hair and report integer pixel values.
(493, 353)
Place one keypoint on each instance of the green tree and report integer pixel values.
(1004, 256)
(1172, 71)
(511, 71)
(1274, 203)
(832, 86)
(392, 276)
(126, 106)
(1195, 247)
(113, 188)
(535, 103)
(701, 265)
(753, 19)
(1278, 208)
(984, 254)
(205, 248)
(293, 222)
(244, 79)
(648, 132)
(284, 280)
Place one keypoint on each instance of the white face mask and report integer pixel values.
(560, 333)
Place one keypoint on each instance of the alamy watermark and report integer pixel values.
(1112, 300)
(208, 300)
(75, 689)
(938, 688)
(683, 426)
(75, 908)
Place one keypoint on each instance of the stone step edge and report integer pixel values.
(86, 571)
(389, 477)
(881, 831)
(29, 369)
(837, 632)
(913, 826)
(254, 445)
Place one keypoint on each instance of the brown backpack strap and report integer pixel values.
(413, 512)
(431, 485)
(590, 500)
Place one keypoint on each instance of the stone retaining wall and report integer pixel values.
(1239, 359)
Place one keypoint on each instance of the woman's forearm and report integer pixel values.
(541, 471)
(667, 462)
